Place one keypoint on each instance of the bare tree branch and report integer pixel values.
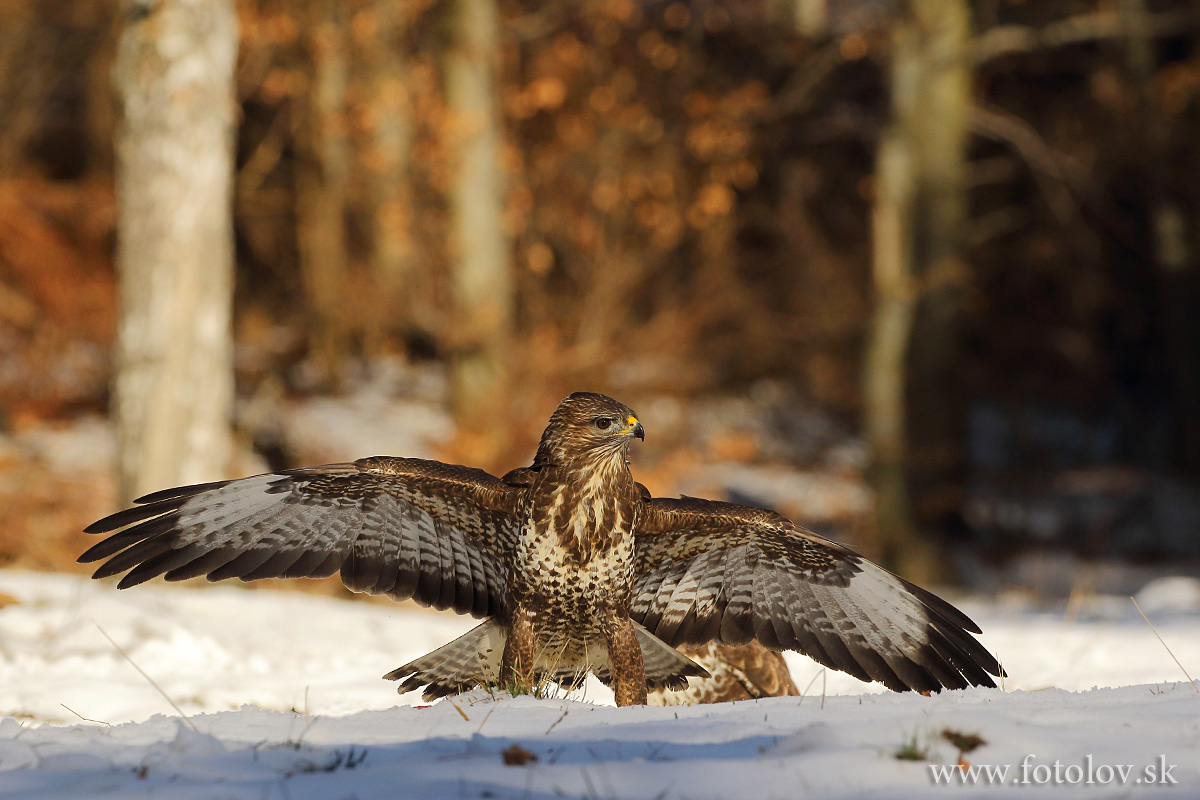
(1008, 39)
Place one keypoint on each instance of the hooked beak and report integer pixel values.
(632, 428)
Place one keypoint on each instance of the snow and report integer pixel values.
(283, 699)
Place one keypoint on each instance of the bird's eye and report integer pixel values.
(603, 423)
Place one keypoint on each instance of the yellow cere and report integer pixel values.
(629, 423)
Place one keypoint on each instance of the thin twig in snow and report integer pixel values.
(488, 715)
(150, 680)
(82, 717)
(307, 716)
(804, 694)
(462, 713)
(1164, 644)
(555, 723)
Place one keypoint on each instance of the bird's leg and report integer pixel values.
(625, 664)
(520, 650)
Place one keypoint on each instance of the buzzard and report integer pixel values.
(574, 567)
(738, 672)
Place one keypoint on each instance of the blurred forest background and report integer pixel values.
(924, 275)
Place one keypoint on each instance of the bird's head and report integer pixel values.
(587, 424)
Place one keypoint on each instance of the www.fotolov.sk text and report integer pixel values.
(1030, 772)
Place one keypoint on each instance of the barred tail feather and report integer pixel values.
(471, 660)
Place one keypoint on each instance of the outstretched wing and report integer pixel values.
(716, 571)
(403, 527)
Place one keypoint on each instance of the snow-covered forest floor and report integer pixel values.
(282, 698)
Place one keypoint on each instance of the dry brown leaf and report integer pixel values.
(516, 756)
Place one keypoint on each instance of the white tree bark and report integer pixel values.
(917, 227)
(392, 131)
(483, 283)
(322, 182)
(174, 381)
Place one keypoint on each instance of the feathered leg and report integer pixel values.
(626, 664)
(520, 650)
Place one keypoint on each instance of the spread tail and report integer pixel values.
(471, 660)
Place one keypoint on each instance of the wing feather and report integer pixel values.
(196, 564)
(408, 528)
(243, 564)
(717, 571)
(409, 575)
(276, 566)
(127, 559)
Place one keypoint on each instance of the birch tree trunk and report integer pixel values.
(174, 382)
(483, 283)
(322, 182)
(918, 225)
(391, 131)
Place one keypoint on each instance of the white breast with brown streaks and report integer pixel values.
(573, 563)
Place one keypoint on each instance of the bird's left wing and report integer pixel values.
(404, 527)
(707, 571)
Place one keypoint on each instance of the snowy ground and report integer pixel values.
(282, 698)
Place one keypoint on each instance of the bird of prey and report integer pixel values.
(737, 672)
(574, 567)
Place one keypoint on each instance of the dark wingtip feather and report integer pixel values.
(132, 579)
(129, 537)
(179, 492)
(99, 526)
(95, 552)
(942, 607)
(243, 564)
(156, 565)
(398, 673)
(194, 565)
(131, 515)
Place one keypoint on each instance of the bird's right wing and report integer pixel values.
(404, 527)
